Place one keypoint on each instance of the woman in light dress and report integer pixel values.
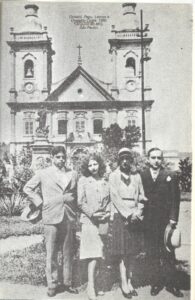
(93, 201)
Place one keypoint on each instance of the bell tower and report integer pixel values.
(31, 59)
(125, 48)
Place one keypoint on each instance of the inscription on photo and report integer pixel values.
(88, 22)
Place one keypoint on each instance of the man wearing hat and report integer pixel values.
(162, 209)
(127, 203)
(54, 190)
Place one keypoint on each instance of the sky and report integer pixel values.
(171, 52)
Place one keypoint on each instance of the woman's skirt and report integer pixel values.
(91, 245)
(125, 239)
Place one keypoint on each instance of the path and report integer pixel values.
(17, 291)
(19, 242)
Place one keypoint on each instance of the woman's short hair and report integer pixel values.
(84, 166)
(57, 149)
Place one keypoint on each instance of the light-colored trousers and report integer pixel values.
(59, 237)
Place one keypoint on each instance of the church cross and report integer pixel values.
(79, 56)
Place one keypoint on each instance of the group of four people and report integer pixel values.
(137, 206)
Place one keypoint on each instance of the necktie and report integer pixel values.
(127, 181)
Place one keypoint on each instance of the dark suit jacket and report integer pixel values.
(163, 198)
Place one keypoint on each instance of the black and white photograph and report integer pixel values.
(95, 150)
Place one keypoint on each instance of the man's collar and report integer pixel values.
(59, 170)
(154, 171)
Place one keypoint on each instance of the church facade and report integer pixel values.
(78, 109)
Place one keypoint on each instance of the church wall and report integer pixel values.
(148, 124)
(129, 114)
(80, 90)
(71, 126)
(19, 127)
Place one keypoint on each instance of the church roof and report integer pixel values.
(79, 71)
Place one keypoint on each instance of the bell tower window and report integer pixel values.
(130, 64)
(28, 69)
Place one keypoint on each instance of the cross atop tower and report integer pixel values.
(79, 56)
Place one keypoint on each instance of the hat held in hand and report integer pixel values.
(31, 213)
(172, 238)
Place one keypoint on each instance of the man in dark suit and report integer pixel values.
(58, 187)
(161, 189)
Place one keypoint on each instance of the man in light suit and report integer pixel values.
(54, 189)
(162, 190)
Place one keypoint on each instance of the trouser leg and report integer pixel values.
(153, 257)
(66, 241)
(169, 269)
(51, 255)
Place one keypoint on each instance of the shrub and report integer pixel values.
(185, 174)
(12, 198)
(111, 157)
(114, 136)
(77, 160)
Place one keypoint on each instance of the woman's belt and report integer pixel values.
(129, 199)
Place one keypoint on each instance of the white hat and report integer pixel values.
(124, 151)
(31, 215)
(172, 238)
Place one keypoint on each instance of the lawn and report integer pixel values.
(14, 226)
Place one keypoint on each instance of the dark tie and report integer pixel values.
(127, 181)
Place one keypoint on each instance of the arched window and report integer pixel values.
(130, 63)
(28, 69)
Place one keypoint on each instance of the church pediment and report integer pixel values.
(80, 87)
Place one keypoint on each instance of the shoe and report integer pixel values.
(70, 289)
(176, 292)
(155, 290)
(101, 293)
(126, 295)
(61, 288)
(134, 293)
(51, 292)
